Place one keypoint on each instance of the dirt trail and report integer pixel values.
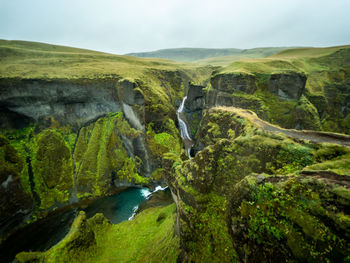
(312, 136)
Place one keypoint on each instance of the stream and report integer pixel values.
(47, 232)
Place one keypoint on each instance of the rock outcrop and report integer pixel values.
(287, 86)
(224, 85)
(194, 106)
(254, 196)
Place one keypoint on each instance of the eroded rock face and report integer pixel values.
(73, 102)
(194, 106)
(224, 85)
(287, 86)
(234, 82)
(195, 98)
(245, 197)
(227, 89)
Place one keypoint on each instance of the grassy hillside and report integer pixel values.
(244, 54)
(187, 54)
(206, 56)
(327, 90)
(307, 52)
(161, 81)
(38, 60)
(307, 60)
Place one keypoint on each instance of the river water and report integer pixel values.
(47, 232)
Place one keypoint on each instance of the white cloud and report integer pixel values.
(135, 25)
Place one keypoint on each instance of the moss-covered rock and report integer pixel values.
(52, 166)
(101, 158)
(254, 196)
(16, 198)
(147, 238)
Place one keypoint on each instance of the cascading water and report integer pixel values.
(183, 127)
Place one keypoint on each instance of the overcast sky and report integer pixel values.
(122, 26)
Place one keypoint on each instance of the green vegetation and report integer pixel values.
(48, 157)
(244, 54)
(248, 196)
(51, 61)
(100, 153)
(149, 237)
(290, 216)
(207, 238)
(52, 167)
(160, 82)
(324, 104)
(208, 56)
(245, 197)
(165, 141)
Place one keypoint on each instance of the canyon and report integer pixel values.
(255, 154)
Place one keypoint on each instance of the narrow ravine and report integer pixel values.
(183, 127)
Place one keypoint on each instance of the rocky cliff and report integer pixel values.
(291, 89)
(256, 196)
(85, 133)
(87, 124)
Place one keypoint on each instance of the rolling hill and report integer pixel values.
(216, 57)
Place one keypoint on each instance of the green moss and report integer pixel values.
(143, 239)
(164, 142)
(329, 151)
(52, 168)
(207, 239)
(20, 140)
(277, 214)
(100, 153)
(340, 165)
(291, 218)
(157, 175)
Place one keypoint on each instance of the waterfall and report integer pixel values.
(183, 127)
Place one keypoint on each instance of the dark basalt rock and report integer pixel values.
(287, 85)
(195, 98)
(194, 106)
(73, 102)
(234, 82)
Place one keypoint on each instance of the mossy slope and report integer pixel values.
(281, 97)
(254, 196)
(79, 126)
(147, 238)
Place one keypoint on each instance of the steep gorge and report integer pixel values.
(253, 191)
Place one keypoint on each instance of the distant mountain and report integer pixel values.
(201, 54)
